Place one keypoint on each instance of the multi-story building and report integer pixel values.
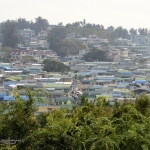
(93, 39)
(27, 34)
(39, 43)
(18, 54)
(42, 35)
(137, 49)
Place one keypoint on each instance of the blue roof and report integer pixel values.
(140, 81)
(7, 69)
(9, 83)
(7, 98)
(98, 71)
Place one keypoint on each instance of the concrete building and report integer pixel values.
(18, 54)
(27, 34)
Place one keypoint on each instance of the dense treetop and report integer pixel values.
(95, 55)
(94, 125)
(54, 66)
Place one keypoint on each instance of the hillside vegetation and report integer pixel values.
(90, 126)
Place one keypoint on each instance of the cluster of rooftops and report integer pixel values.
(113, 80)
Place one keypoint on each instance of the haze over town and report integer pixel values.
(75, 75)
(126, 13)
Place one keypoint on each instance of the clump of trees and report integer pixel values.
(95, 55)
(54, 66)
(63, 46)
(10, 34)
(93, 125)
(6, 54)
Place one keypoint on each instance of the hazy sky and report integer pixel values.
(128, 13)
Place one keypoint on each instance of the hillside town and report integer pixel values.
(122, 75)
(74, 75)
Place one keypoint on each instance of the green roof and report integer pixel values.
(127, 79)
(57, 86)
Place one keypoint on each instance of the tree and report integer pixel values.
(10, 34)
(133, 32)
(95, 55)
(54, 43)
(142, 31)
(110, 29)
(121, 32)
(22, 23)
(143, 104)
(56, 66)
(40, 24)
(70, 47)
(65, 47)
(19, 120)
(7, 53)
(58, 32)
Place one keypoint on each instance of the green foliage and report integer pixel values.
(143, 104)
(40, 24)
(63, 46)
(90, 126)
(10, 34)
(95, 55)
(58, 32)
(121, 32)
(18, 119)
(55, 66)
(7, 53)
(70, 47)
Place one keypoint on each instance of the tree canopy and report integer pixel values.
(39, 24)
(7, 53)
(95, 55)
(54, 66)
(10, 34)
(94, 125)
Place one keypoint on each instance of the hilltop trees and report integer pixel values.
(40, 24)
(121, 32)
(63, 46)
(10, 34)
(142, 31)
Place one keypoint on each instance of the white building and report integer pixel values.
(27, 34)
(93, 39)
